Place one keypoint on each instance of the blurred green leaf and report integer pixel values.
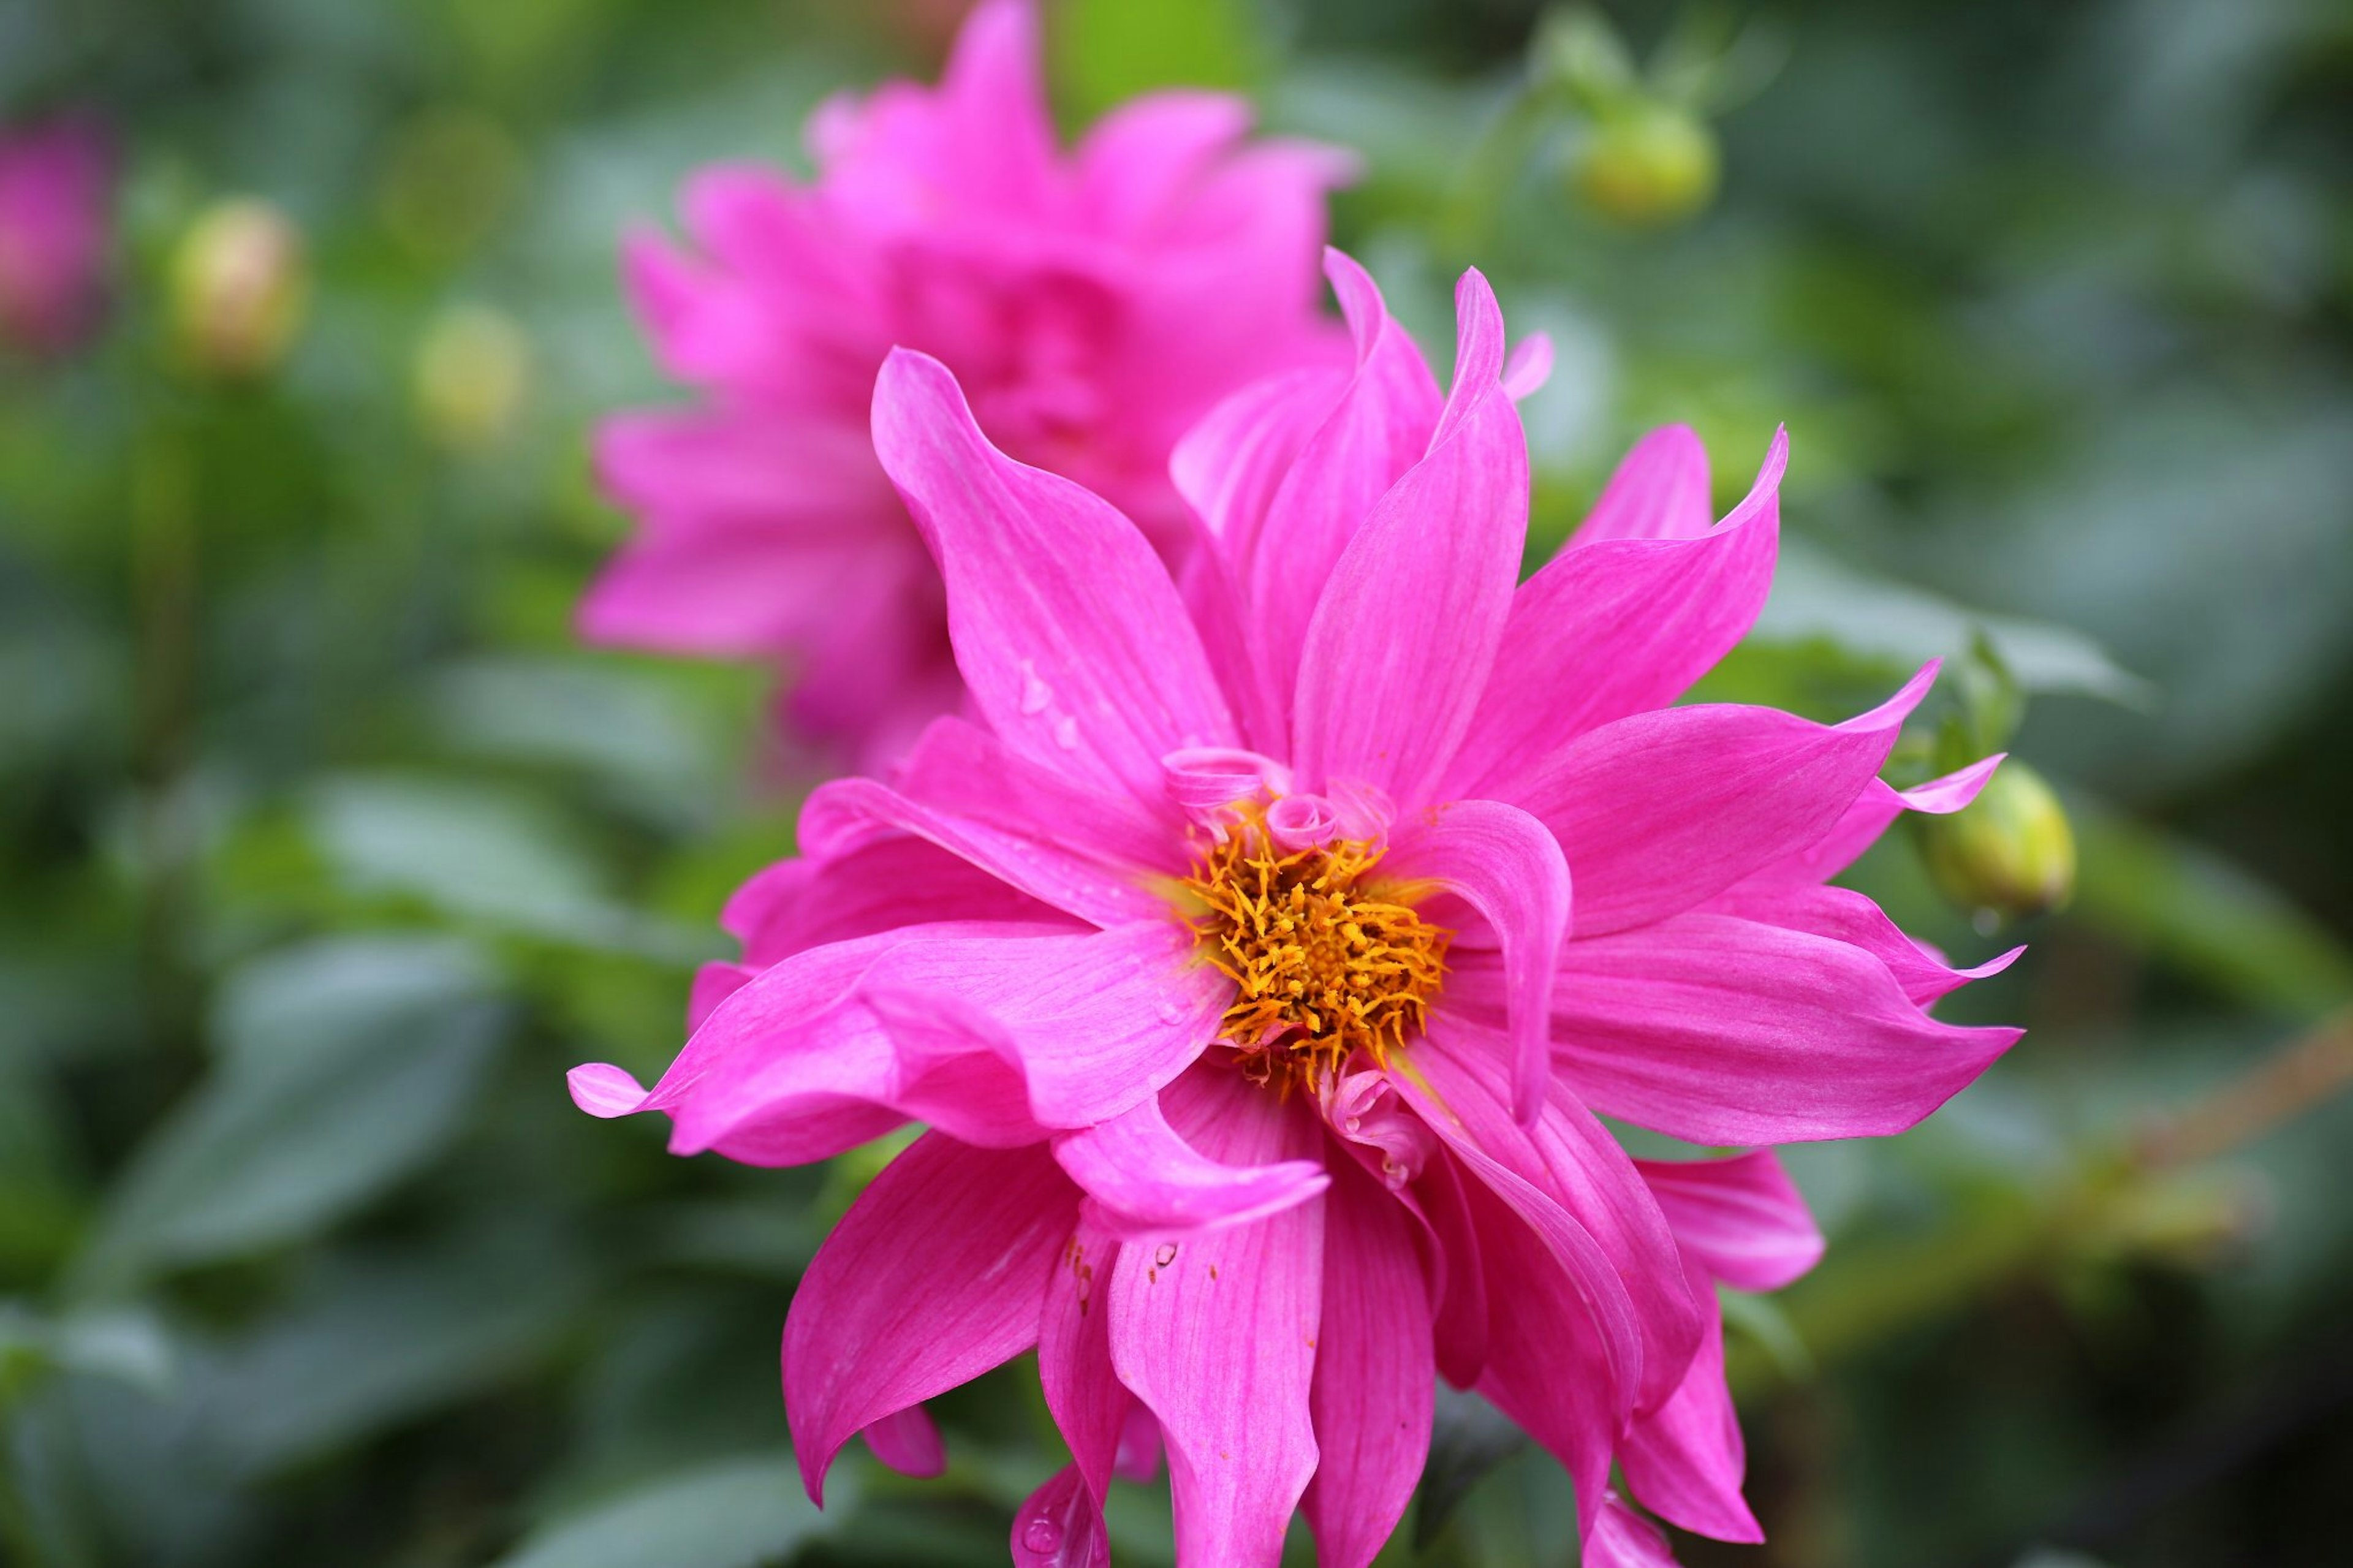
(738, 1512)
(346, 1064)
(1107, 51)
(1468, 1438)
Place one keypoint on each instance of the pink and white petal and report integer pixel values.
(1374, 1373)
(1144, 1181)
(1625, 1255)
(1844, 915)
(1685, 1460)
(1362, 446)
(909, 1442)
(1217, 1336)
(1060, 1525)
(1660, 812)
(1071, 637)
(1089, 1403)
(1661, 491)
(1406, 629)
(933, 1277)
(1615, 630)
(1724, 1031)
(1740, 1218)
(1621, 1538)
(1508, 866)
(845, 815)
(1872, 813)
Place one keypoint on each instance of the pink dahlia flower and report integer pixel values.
(1093, 306)
(1230, 954)
(56, 183)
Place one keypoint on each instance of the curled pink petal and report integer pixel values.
(908, 1441)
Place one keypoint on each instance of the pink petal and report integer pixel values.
(605, 1090)
(1508, 866)
(1217, 1335)
(1360, 446)
(1621, 1538)
(1844, 915)
(1074, 642)
(878, 886)
(1089, 1406)
(1616, 629)
(1140, 1448)
(1685, 1460)
(714, 983)
(1374, 1374)
(1461, 1331)
(1530, 366)
(1724, 1031)
(909, 1442)
(1142, 156)
(1874, 812)
(996, 144)
(1566, 1176)
(1661, 811)
(1144, 1181)
(933, 1277)
(1406, 629)
(1660, 490)
(1741, 1219)
(960, 769)
(1060, 1526)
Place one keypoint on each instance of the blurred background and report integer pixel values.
(324, 850)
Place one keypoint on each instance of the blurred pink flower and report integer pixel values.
(57, 184)
(1228, 951)
(1093, 306)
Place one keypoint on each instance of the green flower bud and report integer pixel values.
(471, 375)
(240, 289)
(1647, 163)
(2008, 854)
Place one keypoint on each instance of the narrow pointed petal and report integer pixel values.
(1659, 490)
(1146, 1182)
(1217, 1335)
(1724, 1031)
(1626, 1261)
(1405, 630)
(1460, 1329)
(1507, 865)
(1143, 155)
(1089, 1406)
(1621, 1538)
(889, 881)
(1685, 1460)
(1060, 1526)
(1615, 630)
(909, 1442)
(1530, 366)
(933, 1277)
(1070, 633)
(1844, 915)
(1661, 811)
(1740, 1218)
(960, 769)
(996, 144)
(1874, 812)
(1374, 1373)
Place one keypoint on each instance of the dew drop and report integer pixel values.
(1167, 1254)
(1035, 693)
(1042, 1536)
(1066, 732)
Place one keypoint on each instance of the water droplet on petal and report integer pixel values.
(1066, 732)
(1035, 693)
(1042, 1536)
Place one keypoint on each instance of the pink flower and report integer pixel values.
(1229, 953)
(1093, 306)
(56, 184)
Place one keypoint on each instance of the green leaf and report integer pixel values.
(737, 1512)
(1107, 51)
(345, 1065)
(1468, 1438)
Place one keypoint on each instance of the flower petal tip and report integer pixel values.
(605, 1090)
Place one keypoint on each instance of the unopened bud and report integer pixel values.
(239, 288)
(471, 375)
(1647, 163)
(2008, 854)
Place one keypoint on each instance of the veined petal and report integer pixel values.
(1660, 492)
(909, 1442)
(1661, 811)
(1872, 813)
(1144, 1181)
(1070, 635)
(1844, 915)
(1621, 1538)
(1625, 1257)
(1685, 1460)
(1724, 1031)
(1217, 1335)
(1374, 1373)
(1089, 1403)
(1507, 865)
(1460, 1331)
(959, 768)
(1740, 1218)
(1618, 628)
(897, 879)
(1404, 632)
(933, 1277)
(1060, 1525)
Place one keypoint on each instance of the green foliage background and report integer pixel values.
(324, 850)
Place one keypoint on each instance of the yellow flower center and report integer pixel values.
(1326, 960)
